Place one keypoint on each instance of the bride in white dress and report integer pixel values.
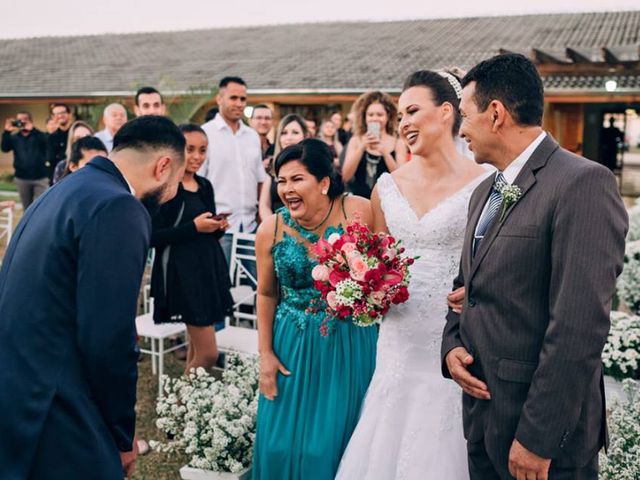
(411, 420)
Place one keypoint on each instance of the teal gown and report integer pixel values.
(302, 434)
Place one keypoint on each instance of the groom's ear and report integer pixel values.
(498, 114)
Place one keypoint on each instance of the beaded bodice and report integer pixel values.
(293, 268)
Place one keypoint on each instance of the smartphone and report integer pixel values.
(221, 216)
(374, 129)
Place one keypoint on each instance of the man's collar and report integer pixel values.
(105, 164)
(221, 124)
(511, 172)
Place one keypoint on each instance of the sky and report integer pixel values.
(37, 18)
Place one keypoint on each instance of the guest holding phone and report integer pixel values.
(190, 278)
(373, 148)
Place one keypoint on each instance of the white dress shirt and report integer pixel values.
(513, 170)
(234, 168)
(106, 138)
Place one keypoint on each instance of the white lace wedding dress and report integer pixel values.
(411, 421)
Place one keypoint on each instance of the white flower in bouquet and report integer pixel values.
(629, 281)
(622, 461)
(212, 421)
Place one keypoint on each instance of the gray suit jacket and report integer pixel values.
(536, 309)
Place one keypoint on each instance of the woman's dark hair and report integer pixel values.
(441, 89)
(315, 155)
(514, 81)
(190, 128)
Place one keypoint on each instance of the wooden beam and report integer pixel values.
(542, 57)
(609, 57)
(576, 57)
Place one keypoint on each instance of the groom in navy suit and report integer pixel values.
(68, 291)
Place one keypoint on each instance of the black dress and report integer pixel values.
(369, 170)
(190, 278)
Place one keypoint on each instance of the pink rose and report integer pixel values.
(377, 297)
(320, 273)
(358, 268)
(331, 300)
(348, 248)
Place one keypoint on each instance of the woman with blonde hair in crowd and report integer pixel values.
(78, 129)
(329, 135)
(374, 146)
(292, 129)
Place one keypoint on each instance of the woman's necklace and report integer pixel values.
(313, 229)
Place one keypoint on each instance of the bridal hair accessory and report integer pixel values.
(453, 81)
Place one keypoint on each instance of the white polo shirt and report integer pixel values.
(234, 168)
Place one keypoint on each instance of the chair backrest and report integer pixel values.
(243, 249)
(6, 224)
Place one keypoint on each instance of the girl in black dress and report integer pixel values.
(190, 278)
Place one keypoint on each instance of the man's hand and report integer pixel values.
(458, 359)
(526, 465)
(8, 125)
(455, 300)
(128, 459)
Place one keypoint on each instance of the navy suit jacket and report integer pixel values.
(68, 295)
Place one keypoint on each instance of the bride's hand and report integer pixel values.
(269, 367)
(455, 299)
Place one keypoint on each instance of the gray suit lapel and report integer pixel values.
(525, 180)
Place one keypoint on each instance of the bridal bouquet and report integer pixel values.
(359, 275)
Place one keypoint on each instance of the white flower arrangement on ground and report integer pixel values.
(621, 354)
(622, 460)
(212, 421)
(629, 280)
(634, 223)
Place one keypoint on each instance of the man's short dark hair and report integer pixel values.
(66, 107)
(24, 112)
(227, 80)
(146, 91)
(83, 144)
(261, 105)
(513, 80)
(150, 132)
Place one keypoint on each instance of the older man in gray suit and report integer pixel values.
(543, 247)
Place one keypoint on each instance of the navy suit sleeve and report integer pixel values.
(112, 252)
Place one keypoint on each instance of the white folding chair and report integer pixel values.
(6, 224)
(243, 282)
(157, 334)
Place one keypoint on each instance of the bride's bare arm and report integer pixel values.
(266, 302)
(379, 223)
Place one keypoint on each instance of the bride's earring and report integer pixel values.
(325, 191)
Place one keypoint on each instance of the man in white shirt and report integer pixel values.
(114, 116)
(234, 162)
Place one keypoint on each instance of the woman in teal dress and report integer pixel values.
(311, 387)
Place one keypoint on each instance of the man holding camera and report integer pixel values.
(29, 147)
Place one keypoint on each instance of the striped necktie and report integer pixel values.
(495, 201)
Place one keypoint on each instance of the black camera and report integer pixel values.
(17, 123)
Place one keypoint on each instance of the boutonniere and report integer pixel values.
(510, 195)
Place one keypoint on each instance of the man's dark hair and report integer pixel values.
(85, 143)
(513, 80)
(211, 114)
(227, 80)
(66, 107)
(261, 105)
(150, 132)
(24, 112)
(146, 91)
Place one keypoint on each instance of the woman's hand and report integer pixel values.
(207, 223)
(269, 367)
(371, 142)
